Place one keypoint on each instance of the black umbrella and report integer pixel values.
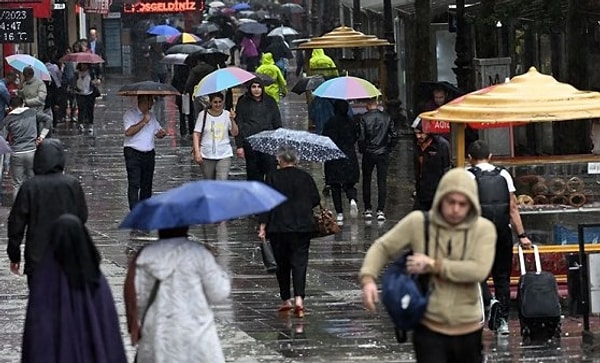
(210, 56)
(253, 28)
(308, 84)
(207, 27)
(266, 80)
(147, 88)
(425, 91)
(293, 8)
(184, 48)
(220, 43)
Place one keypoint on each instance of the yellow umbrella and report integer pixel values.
(530, 97)
(344, 37)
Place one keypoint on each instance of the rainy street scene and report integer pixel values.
(300, 181)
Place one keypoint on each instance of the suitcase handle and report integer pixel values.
(538, 264)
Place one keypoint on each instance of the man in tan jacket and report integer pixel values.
(461, 245)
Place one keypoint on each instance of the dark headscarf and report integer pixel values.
(74, 251)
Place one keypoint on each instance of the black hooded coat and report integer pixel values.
(40, 201)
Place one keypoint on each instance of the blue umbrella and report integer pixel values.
(201, 202)
(163, 30)
(241, 6)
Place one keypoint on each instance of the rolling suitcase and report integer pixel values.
(538, 301)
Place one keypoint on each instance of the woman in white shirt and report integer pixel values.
(86, 99)
(212, 146)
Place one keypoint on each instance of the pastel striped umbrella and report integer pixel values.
(222, 79)
(347, 88)
(20, 61)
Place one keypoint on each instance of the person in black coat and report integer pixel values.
(40, 201)
(342, 173)
(289, 227)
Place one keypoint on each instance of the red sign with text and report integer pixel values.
(165, 6)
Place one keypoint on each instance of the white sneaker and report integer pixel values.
(340, 217)
(353, 208)
(502, 328)
(380, 216)
(368, 214)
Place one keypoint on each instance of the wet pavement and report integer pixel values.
(335, 329)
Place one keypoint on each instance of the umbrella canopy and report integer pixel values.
(20, 61)
(241, 6)
(293, 8)
(246, 20)
(265, 79)
(163, 29)
(82, 57)
(221, 79)
(184, 48)
(530, 97)
(158, 39)
(347, 88)
(344, 37)
(176, 58)
(309, 146)
(282, 31)
(220, 43)
(184, 38)
(147, 88)
(308, 84)
(201, 202)
(253, 28)
(216, 4)
(206, 27)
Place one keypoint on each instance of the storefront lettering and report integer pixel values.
(160, 7)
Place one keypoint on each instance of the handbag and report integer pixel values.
(405, 296)
(324, 223)
(268, 257)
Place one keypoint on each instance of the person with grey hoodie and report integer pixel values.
(461, 253)
(23, 126)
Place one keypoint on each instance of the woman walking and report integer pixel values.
(71, 314)
(212, 146)
(289, 227)
(343, 173)
(86, 96)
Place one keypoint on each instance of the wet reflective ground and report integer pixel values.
(335, 329)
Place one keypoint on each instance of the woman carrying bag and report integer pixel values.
(212, 146)
(289, 227)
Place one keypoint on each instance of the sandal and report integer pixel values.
(299, 311)
(284, 308)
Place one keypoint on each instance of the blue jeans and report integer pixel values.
(140, 171)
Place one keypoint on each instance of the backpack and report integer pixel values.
(494, 196)
(405, 296)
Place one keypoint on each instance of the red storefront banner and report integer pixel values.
(96, 6)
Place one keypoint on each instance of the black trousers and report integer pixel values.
(86, 104)
(369, 162)
(258, 164)
(140, 171)
(501, 272)
(432, 347)
(291, 253)
(336, 194)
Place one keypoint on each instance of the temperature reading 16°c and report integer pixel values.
(8, 26)
(12, 37)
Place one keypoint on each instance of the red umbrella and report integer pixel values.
(82, 57)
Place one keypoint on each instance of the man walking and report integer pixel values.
(256, 112)
(377, 136)
(21, 125)
(499, 205)
(432, 160)
(39, 202)
(451, 329)
(33, 90)
(141, 127)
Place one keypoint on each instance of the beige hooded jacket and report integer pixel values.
(463, 255)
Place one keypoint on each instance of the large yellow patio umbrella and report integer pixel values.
(530, 97)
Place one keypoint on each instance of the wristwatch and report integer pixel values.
(522, 235)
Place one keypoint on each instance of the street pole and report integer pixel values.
(314, 18)
(356, 23)
(393, 104)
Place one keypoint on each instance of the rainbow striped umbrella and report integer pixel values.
(184, 38)
(347, 88)
(20, 61)
(222, 79)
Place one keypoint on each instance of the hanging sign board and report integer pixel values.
(16, 26)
